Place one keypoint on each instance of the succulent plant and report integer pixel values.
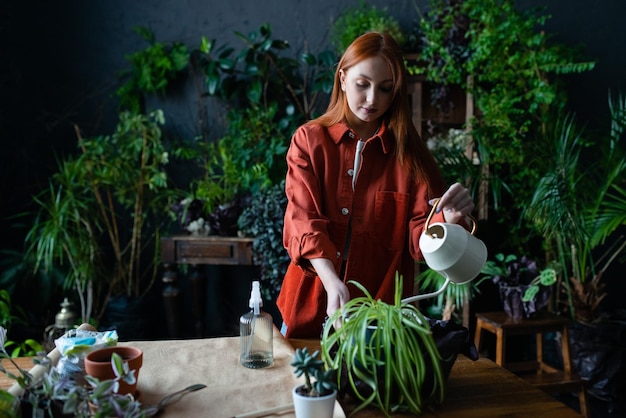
(311, 366)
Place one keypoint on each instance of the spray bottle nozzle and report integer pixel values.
(255, 297)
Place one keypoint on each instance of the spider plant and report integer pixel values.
(388, 353)
(580, 203)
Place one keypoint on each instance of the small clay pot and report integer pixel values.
(98, 364)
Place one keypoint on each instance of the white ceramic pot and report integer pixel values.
(313, 407)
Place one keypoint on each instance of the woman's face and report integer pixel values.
(369, 88)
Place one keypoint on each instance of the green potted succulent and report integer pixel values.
(386, 354)
(316, 397)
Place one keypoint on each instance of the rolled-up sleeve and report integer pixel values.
(305, 234)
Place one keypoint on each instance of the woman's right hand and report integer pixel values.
(337, 292)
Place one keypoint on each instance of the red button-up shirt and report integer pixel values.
(384, 215)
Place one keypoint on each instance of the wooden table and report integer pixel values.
(475, 388)
(196, 251)
(24, 363)
(478, 389)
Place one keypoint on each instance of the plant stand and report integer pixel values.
(545, 377)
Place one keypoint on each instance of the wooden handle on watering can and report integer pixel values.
(432, 212)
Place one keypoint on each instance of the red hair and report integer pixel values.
(411, 151)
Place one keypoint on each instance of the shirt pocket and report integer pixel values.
(390, 214)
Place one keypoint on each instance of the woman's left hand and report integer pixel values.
(456, 202)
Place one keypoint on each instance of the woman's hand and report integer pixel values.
(456, 202)
(337, 292)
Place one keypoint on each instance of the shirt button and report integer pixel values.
(345, 211)
(351, 134)
(338, 254)
(351, 172)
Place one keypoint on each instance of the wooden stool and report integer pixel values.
(545, 377)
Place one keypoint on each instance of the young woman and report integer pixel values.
(359, 183)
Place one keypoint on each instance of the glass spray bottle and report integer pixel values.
(256, 333)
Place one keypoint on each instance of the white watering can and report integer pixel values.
(451, 251)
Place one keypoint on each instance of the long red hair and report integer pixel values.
(411, 151)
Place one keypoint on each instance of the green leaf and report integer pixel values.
(530, 293)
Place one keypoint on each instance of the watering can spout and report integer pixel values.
(452, 251)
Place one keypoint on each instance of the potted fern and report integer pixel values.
(314, 398)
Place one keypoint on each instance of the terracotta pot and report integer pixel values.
(98, 364)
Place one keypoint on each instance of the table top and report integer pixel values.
(474, 389)
(543, 320)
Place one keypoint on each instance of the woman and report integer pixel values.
(358, 184)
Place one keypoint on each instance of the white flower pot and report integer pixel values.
(313, 407)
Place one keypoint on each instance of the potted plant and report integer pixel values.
(267, 95)
(524, 289)
(483, 47)
(387, 354)
(102, 215)
(263, 220)
(355, 21)
(53, 393)
(315, 398)
(579, 206)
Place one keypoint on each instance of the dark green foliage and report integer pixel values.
(102, 215)
(579, 206)
(263, 219)
(152, 69)
(356, 21)
(511, 66)
(260, 75)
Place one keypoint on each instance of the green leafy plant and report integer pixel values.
(103, 212)
(260, 75)
(246, 159)
(53, 392)
(152, 70)
(387, 351)
(513, 68)
(311, 367)
(578, 206)
(263, 219)
(355, 21)
(267, 94)
(513, 271)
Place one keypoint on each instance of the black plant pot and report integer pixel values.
(513, 305)
(598, 353)
(223, 221)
